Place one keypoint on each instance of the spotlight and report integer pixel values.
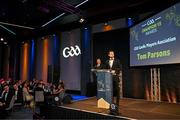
(114, 109)
(2, 39)
(81, 20)
(107, 27)
(5, 43)
(105, 23)
(129, 22)
(56, 99)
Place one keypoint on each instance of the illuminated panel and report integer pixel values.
(70, 59)
(45, 60)
(25, 58)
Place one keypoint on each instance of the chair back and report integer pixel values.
(39, 96)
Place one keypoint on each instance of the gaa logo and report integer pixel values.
(71, 51)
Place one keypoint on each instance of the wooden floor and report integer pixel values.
(132, 108)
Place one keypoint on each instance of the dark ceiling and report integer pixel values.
(33, 14)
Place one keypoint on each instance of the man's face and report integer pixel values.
(6, 88)
(111, 54)
(98, 61)
(15, 87)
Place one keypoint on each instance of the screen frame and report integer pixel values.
(138, 23)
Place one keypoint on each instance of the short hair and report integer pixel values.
(98, 59)
(111, 51)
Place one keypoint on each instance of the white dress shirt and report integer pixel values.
(111, 63)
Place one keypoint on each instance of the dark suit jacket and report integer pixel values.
(116, 65)
(99, 67)
(19, 95)
(8, 99)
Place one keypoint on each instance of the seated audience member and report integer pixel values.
(27, 97)
(6, 96)
(47, 88)
(20, 92)
(60, 91)
(1, 85)
(15, 91)
(31, 86)
(53, 88)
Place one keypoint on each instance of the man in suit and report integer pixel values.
(112, 63)
(93, 85)
(114, 66)
(7, 96)
(99, 64)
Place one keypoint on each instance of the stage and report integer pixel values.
(129, 109)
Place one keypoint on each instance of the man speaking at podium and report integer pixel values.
(115, 67)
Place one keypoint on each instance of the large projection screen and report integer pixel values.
(70, 59)
(156, 41)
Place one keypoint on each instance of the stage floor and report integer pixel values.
(132, 108)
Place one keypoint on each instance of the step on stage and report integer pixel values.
(129, 109)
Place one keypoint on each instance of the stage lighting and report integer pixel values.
(107, 27)
(2, 39)
(114, 109)
(81, 20)
(56, 99)
(129, 22)
(105, 23)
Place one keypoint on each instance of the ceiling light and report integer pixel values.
(8, 29)
(16, 25)
(2, 39)
(5, 43)
(57, 17)
(53, 19)
(81, 3)
(81, 20)
(105, 23)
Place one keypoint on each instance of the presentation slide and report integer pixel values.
(156, 41)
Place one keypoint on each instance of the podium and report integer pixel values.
(104, 87)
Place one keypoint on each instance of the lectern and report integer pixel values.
(104, 87)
